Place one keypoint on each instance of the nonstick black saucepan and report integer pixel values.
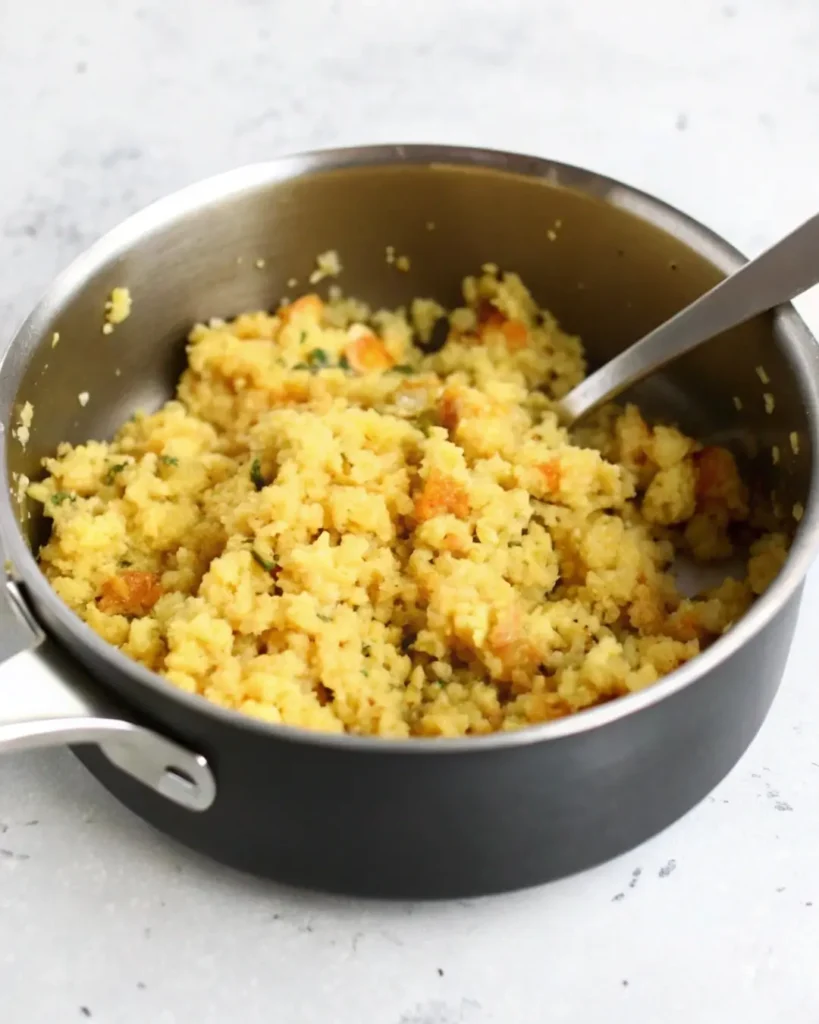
(415, 818)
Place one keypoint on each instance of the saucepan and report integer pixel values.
(419, 818)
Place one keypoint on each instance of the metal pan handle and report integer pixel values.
(45, 701)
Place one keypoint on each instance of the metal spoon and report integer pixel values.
(780, 274)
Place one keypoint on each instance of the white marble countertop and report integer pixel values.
(713, 105)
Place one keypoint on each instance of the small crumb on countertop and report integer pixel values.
(390, 254)
(292, 282)
(55, 339)
(551, 235)
(430, 225)
(83, 397)
(23, 429)
(770, 404)
(798, 511)
(775, 454)
(107, 328)
(260, 264)
(328, 264)
(667, 869)
(737, 403)
(763, 375)
(402, 263)
(117, 308)
(117, 372)
(794, 439)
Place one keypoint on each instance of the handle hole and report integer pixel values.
(180, 777)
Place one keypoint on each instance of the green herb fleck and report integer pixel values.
(440, 682)
(267, 565)
(256, 477)
(302, 337)
(365, 650)
(364, 672)
(301, 366)
(325, 618)
(169, 460)
(110, 476)
(60, 496)
(344, 363)
(124, 563)
(404, 368)
(317, 358)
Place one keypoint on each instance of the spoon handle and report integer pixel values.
(778, 275)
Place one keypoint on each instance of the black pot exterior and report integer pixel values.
(382, 823)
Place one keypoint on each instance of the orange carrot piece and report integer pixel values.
(516, 334)
(441, 494)
(130, 593)
(367, 354)
(310, 306)
(552, 474)
(716, 472)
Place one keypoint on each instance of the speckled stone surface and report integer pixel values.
(712, 104)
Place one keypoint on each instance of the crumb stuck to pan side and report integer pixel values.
(328, 264)
(22, 432)
(22, 484)
(117, 309)
(400, 262)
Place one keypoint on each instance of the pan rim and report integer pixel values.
(789, 330)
